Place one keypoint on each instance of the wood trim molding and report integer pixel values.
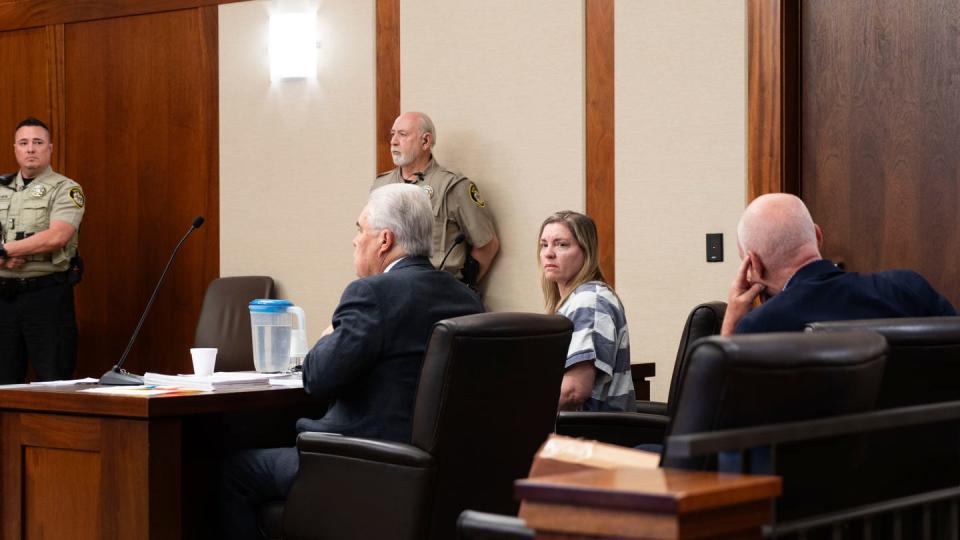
(600, 140)
(55, 76)
(210, 30)
(15, 15)
(773, 104)
(388, 77)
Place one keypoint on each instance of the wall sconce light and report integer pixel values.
(293, 46)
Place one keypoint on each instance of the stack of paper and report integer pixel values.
(294, 380)
(142, 391)
(88, 380)
(208, 382)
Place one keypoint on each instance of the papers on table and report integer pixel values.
(156, 384)
(209, 382)
(146, 390)
(294, 380)
(88, 380)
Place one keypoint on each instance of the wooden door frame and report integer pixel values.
(773, 97)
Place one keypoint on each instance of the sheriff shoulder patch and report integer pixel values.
(76, 195)
(475, 196)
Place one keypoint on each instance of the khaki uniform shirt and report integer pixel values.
(25, 211)
(457, 207)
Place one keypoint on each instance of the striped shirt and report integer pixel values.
(600, 335)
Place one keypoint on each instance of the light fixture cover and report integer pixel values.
(293, 45)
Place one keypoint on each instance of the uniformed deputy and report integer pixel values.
(40, 213)
(457, 205)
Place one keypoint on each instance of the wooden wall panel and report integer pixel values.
(26, 86)
(881, 123)
(36, 13)
(600, 141)
(140, 111)
(772, 103)
(388, 77)
(67, 480)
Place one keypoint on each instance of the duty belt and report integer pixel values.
(12, 286)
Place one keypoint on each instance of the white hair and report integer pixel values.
(778, 228)
(403, 209)
(426, 126)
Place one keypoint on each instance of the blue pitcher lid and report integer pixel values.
(263, 305)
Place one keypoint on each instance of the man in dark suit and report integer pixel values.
(780, 250)
(367, 362)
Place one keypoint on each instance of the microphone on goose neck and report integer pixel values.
(117, 376)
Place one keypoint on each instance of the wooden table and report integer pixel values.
(647, 503)
(81, 465)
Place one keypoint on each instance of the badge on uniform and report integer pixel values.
(429, 190)
(475, 196)
(76, 195)
(38, 190)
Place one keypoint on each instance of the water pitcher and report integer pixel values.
(271, 323)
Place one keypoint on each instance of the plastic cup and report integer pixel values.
(203, 360)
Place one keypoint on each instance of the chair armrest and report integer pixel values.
(353, 479)
(473, 525)
(386, 452)
(624, 429)
(652, 407)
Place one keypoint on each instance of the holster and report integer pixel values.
(75, 272)
(471, 269)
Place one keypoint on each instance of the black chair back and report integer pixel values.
(224, 320)
(751, 380)
(704, 320)
(486, 401)
(924, 361)
(923, 367)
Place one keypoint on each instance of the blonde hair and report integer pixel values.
(584, 232)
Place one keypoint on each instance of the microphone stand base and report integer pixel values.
(119, 377)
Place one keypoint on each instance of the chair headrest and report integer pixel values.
(750, 380)
(787, 350)
(505, 324)
(901, 331)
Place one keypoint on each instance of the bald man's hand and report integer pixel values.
(740, 300)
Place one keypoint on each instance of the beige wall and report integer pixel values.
(503, 81)
(681, 163)
(296, 157)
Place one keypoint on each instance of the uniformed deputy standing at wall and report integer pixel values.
(456, 201)
(40, 214)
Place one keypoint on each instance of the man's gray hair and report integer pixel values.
(403, 209)
(426, 126)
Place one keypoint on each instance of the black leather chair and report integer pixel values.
(224, 320)
(486, 401)
(924, 361)
(704, 320)
(923, 367)
(751, 380)
(648, 425)
(747, 381)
